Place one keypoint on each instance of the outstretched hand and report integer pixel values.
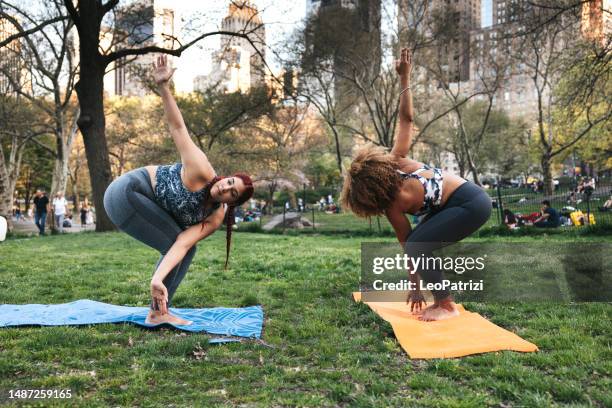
(162, 72)
(403, 66)
(159, 294)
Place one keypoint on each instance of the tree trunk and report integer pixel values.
(75, 195)
(60, 175)
(91, 122)
(547, 172)
(338, 153)
(8, 181)
(466, 150)
(9, 173)
(6, 198)
(28, 191)
(64, 139)
(271, 190)
(473, 171)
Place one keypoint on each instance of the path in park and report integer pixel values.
(290, 219)
(28, 226)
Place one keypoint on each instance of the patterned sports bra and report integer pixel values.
(183, 205)
(432, 187)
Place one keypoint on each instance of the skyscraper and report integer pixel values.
(10, 65)
(239, 63)
(516, 93)
(148, 22)
(347, 33)
(507, 11)
(460, 17)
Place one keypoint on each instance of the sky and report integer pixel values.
(279, 16)
(487, 13)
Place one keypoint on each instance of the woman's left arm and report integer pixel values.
(401, 146)
(191, 155)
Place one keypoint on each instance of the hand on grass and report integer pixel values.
(159, 293)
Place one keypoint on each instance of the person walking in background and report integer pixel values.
(41, 204)
(90, 215)
(17, 211)
(59, 210)
(84, 211)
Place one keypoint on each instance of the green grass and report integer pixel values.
(320, 348)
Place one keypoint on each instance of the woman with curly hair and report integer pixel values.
(390, 183)
(172, 207)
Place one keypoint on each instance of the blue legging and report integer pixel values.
(466, 210)
(130, 203)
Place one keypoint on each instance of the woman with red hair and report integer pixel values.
(172, 207)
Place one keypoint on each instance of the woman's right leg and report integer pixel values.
(130, 203)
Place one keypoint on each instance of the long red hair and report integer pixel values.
(229, 219)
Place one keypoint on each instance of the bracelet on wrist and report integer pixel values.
(404, 90)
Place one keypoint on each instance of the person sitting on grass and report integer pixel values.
(549, 217)
(607, 205)
(382, 182)
(172, 207)
(510, 219)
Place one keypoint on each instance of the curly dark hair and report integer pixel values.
(371, 182)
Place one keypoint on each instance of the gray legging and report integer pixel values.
(466, 210)
(130, 203)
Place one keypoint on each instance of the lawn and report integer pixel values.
(319, 348)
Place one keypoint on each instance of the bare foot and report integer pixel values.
(155, 317)
(420, 312)
(442, 311)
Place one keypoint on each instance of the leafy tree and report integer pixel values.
(19, 125)
(89, 17)
(48, 58)
(214, 118)
(321, 170)
(571, 77)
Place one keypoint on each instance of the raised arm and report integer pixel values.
(194, 160)
(406, 115)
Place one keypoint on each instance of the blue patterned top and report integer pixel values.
(432, 186)
(183, 205)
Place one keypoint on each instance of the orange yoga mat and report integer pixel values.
(468, 333)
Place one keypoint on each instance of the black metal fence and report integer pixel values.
(567, 199)
(575, 203)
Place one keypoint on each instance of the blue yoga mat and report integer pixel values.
(242, 322)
